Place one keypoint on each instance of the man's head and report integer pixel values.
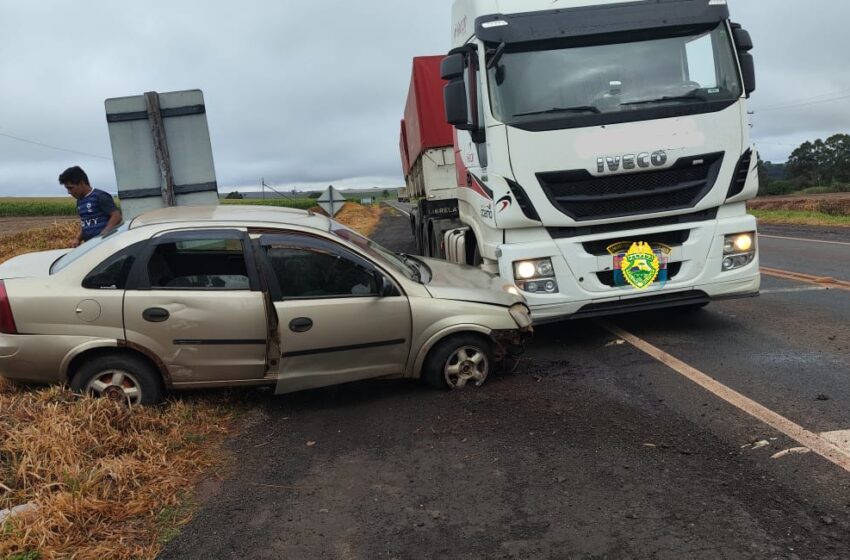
(75, 181)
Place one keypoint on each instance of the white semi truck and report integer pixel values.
(582, 130)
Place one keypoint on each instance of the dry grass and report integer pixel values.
(836, 205)
(109, 482)
(103, 475)
(362, 219)
(58, 236)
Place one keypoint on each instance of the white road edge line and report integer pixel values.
(790, 290)
(803, 239)
(408, 213)
(820, 445)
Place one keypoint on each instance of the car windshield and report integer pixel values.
(410, 268)
(78, 252)
(689, 67)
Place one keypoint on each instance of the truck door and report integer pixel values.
(335, 325)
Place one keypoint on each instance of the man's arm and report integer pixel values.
(77, 240)
(114, 220)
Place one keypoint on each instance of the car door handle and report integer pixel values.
(301, 324)
(155, 314)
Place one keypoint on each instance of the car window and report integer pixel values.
(199, 264)
(112, 273)
(78, 252)
(315, 270)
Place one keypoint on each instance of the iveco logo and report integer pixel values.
(642, 160)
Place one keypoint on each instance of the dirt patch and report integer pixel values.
(835, 204)
(18, 224)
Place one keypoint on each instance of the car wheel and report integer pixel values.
(458, 361)
(123, 378)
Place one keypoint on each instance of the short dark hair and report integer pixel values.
(74, 175)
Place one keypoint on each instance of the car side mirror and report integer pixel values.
(385, 287)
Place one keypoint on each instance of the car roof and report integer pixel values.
(237, 213)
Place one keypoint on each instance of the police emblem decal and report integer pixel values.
(641, 265)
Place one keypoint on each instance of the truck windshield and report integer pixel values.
(609, 80)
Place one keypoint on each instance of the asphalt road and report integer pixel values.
(589, 448)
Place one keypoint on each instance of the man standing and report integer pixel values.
(97, 210)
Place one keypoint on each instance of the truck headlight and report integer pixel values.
(521, 314)
(536, 276)
(739, 249)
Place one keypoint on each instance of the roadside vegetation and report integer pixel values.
(817, 167)
(829, 210)
(66, 206)
(25, 207)
(98, 479)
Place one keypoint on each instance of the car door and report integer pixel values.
(194, 299)
(335, 324)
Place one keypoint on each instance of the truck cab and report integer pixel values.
(582, 127)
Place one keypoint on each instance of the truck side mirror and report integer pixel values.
(744, 44)
(457, 107)
(452, 67)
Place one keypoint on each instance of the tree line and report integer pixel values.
(819, 166)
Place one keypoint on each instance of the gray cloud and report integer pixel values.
(311, 93)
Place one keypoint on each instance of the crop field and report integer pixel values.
(65, 206)
(44, 206)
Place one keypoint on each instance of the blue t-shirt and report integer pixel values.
(94, 211)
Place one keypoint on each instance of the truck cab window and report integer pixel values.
(571, 79)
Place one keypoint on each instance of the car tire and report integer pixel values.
(459, 360)
(122, 377)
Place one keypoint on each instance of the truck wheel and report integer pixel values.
(458, 361)
(120, 377)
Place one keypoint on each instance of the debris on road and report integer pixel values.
(792, 451)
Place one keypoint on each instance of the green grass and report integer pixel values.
(61, 206)
(800, 217)
(46, 206)
(302, 203)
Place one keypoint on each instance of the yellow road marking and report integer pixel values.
(825, 281)
(820, 445)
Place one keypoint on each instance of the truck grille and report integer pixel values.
(581, 196)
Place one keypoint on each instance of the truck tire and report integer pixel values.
(459, 360)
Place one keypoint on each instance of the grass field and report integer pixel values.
(66, 206)
(48, 206)
(802, 217)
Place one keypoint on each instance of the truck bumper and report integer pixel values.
(580, 273)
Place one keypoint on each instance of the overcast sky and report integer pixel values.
(307, 93)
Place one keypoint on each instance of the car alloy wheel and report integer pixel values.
(467, 364)
(117, 385)
(458, 361)
(120, 376)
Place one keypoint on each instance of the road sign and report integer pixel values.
(162, 151)
(331, 201)
(366, 201)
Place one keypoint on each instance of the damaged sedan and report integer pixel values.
(224, 296)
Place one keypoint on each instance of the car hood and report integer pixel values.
(467, 283)
(31, 264)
